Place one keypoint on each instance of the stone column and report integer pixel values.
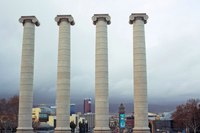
(140, 77)
(26, 77)
(101, 74)
(63, 75)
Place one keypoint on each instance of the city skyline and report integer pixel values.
(171, 46)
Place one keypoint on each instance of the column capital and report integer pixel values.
(98, 17)
(31, 19)
(67, 18)
(138, 16)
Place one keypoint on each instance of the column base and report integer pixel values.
(102, 130)
(62, 130)
(24, 130)
(141, 130)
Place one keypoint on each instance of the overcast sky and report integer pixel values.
(172, 46)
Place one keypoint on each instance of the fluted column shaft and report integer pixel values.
(140, 74)
(63, 76)
(27, 71)
(101, 74)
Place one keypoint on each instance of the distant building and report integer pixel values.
(162, 126)
(87, 105)
(161, 123)
(43, 114)
(114, 122)
(130, 122)
(166, 115)
(90, 118)
(152, 116)
(72, 109)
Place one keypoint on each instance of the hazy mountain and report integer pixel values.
(155, 108)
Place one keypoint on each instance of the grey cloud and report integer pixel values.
(172, 42)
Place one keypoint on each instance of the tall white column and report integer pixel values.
(101, 74)
(63, 75)
(140, 75)
(27, 71)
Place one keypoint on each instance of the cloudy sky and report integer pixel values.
(172, 46)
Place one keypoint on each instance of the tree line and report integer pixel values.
(187, 116)
(9, 113)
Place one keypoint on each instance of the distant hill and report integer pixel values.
(155, 108)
